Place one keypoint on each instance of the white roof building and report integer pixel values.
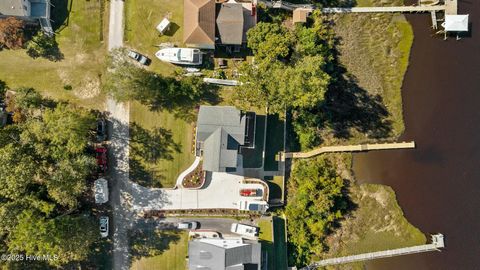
(456, 23)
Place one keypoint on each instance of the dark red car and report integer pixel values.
(101, 156)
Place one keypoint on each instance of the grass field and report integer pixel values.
(172, 257)
(275, 185)
(253, 158)
(266, 239)
(165, 171)
(79, 40)
(142, 17)
(275, 141)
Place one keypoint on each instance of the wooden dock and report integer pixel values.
(449, 7)
(350, 148)
(437, 243)
(402, 9)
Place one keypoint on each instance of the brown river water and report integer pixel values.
(437, 184)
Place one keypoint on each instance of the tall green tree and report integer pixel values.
(63, 131)
(68, 237)
(270, 41)
(44, 45)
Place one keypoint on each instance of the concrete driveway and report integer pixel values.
(221, 192)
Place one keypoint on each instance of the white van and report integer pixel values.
(245, 230)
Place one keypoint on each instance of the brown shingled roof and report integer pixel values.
(199, 22)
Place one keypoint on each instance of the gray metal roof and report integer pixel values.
(206, 256)
(12, 7)
(216, 154)
(210, 118)
(230, 23)
(220, 130)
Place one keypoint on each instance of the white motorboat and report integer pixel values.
(180, 56)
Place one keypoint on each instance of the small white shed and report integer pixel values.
(100, 189)
(163, 26)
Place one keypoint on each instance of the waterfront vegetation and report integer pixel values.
(316, 202)
(376, 224)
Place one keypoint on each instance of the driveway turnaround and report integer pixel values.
(221, 192)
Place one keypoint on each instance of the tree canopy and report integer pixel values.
(125, 81)
(44, 45)
(43, 170)
(12, 33)
(291, 71)
(270, 41)
(315, 202)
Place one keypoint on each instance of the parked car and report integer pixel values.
(249, 192)
(101, 156)
(101, 130)
(100, 189)
(245, 230)
(142, 59)
(259, 206)
(104, 226)
(188, 225)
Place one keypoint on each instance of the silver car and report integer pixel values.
(188, 225)
(104, 226)
(142, 59)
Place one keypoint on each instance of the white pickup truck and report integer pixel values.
(245, 230)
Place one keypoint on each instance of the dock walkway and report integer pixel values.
(402, 9)
(437, 243)
(350, 148)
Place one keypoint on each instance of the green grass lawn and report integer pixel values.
(275, 141)
(252, 158)
(142, 17)
(275, 186)
(266, 240)
(165, 171)
(173, 254)
(80, 43)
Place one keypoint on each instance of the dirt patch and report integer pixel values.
(90, 87)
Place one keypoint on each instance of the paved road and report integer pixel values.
(221, 225)
(119, 134)
(115, 33)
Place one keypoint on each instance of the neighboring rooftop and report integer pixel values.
(230, 23)
(220, 132)
(13, 8)
(224, 254)
(300, 15)
(199, 23)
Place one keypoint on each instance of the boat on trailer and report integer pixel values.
(180, 56)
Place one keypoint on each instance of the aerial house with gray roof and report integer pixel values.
(28, 10)
(224, 254)
(221, 132)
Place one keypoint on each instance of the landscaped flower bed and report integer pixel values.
(195, 179)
